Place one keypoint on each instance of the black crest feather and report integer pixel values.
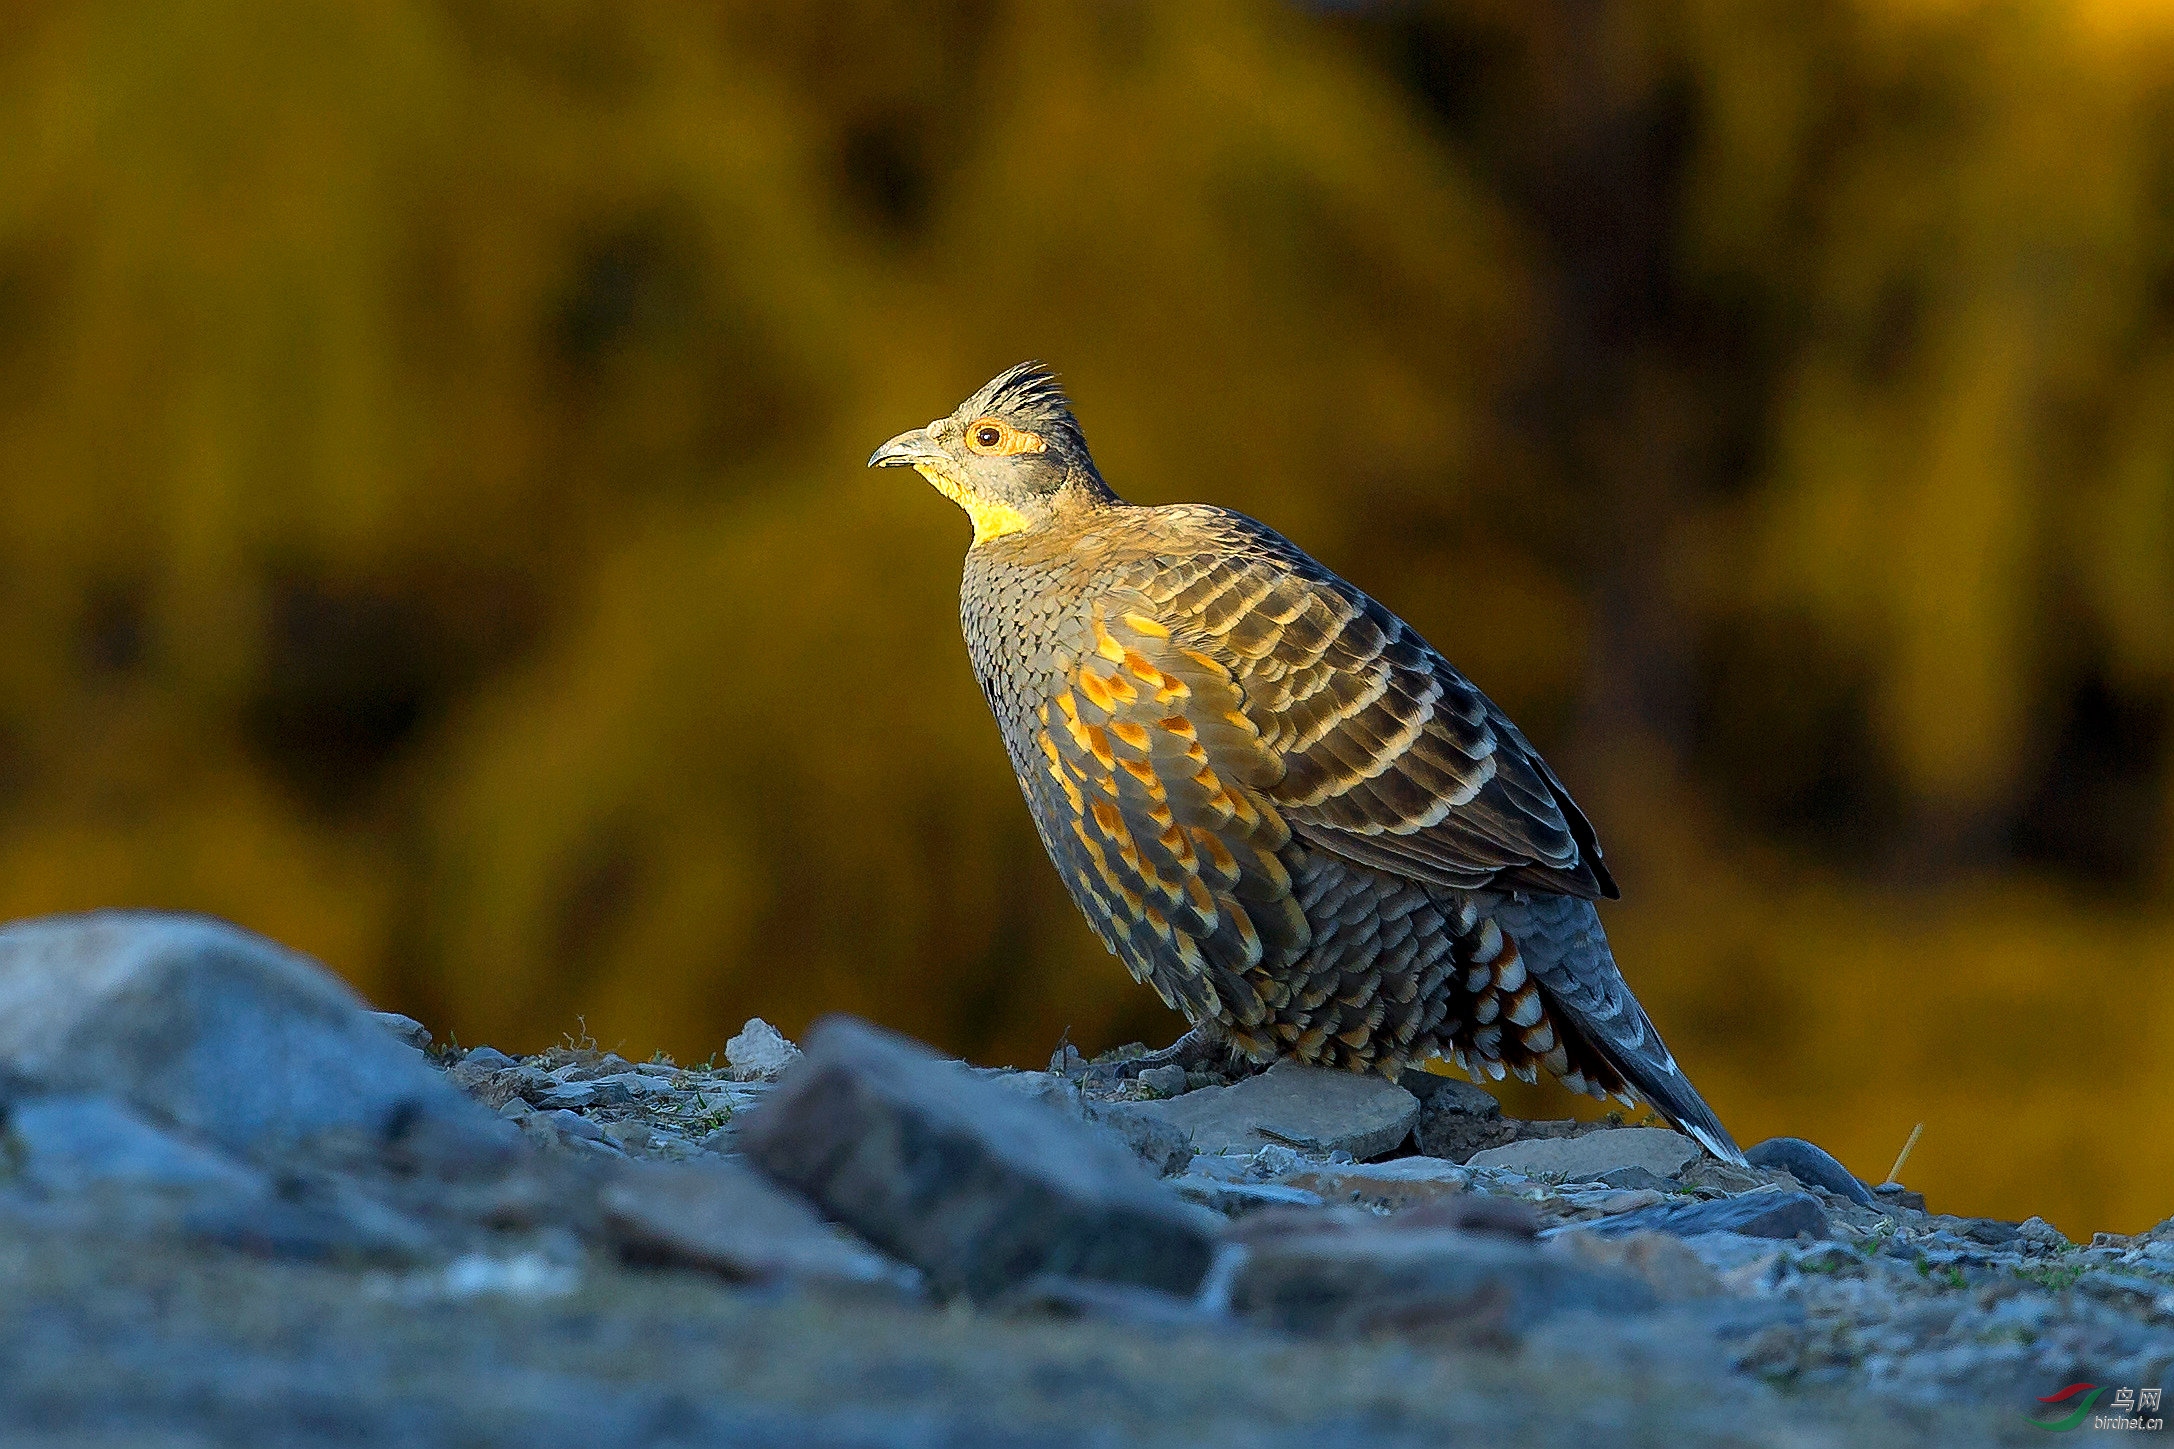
(1029, 397)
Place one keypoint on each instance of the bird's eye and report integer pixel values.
(995, 438)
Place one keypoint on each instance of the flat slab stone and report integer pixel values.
(1309, 1108)
(1358, 1281)
(731, 1220)
(979, 1186)
(1401, 1183)
(203, 1025)
(1763, 1214)
(1656, 1149)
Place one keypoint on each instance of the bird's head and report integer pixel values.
(1011, 454)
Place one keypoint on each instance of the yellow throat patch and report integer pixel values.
(991, 520)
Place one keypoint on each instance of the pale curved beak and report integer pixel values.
(908, 450)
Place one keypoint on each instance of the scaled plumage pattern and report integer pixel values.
(1276, 803)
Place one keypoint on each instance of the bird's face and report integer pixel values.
(1005, 456)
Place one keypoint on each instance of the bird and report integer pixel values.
(1274, 801)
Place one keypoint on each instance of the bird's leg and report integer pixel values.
(1196, 1051)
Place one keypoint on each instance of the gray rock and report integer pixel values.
(566, 1096)
(230, 1036)
(1990, 1231)
(572, 1124)
(1661, 1261)
(1164, 1081)
(1345, 1283)
(1450, 1094)
(407, 1028)
(1455, 1134)
(1401, 1183)
(1050, 1296)
(1810, 1165)
(727, 1219)
(483, 1059)
(2040, 1233)
(344, 1226)
(70, 1144)
(1160, 1145)
(1895, 1195)
(1232, 1199)
(1163, 1148)
(1656, 1149)
(760, 1051)
(1313, 1109)
(1630, 1179)
(1764, 1214)
(978, 1186)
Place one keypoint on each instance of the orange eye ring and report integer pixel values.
(995, 438)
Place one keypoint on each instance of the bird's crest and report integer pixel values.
(1029, 397)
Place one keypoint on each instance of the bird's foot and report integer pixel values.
(1196, 1051)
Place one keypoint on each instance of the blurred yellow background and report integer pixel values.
(436, 532)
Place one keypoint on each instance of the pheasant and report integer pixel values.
(1273, 800)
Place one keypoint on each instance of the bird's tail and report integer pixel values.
(1566, 951)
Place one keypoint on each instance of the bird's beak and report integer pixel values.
(909, 449)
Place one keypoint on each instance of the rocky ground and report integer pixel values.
(236, 1207)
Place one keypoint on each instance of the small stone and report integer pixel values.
(1066, 1061)
(760, 1051)
(730, 1220)
(1441, 1093)
(1344, 1283)
(1631, 1179)
(1164, 1081)
(1767, 1213)
(572, 1124)
(1608, 1204)
(1309, 1108)
(1809, 1165)
(2043, 1234)
(1656, 1149)
(629, 1135)
(980, 1187)
(515, 1109)
(479, 1066)
(1990, 1231)
(1401, 1183)
(407, 1028)
(567, 1095)
(1895, 1195)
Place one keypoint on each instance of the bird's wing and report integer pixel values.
(1375, 748)
(1142, 792)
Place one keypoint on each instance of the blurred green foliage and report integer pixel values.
(436, 533)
